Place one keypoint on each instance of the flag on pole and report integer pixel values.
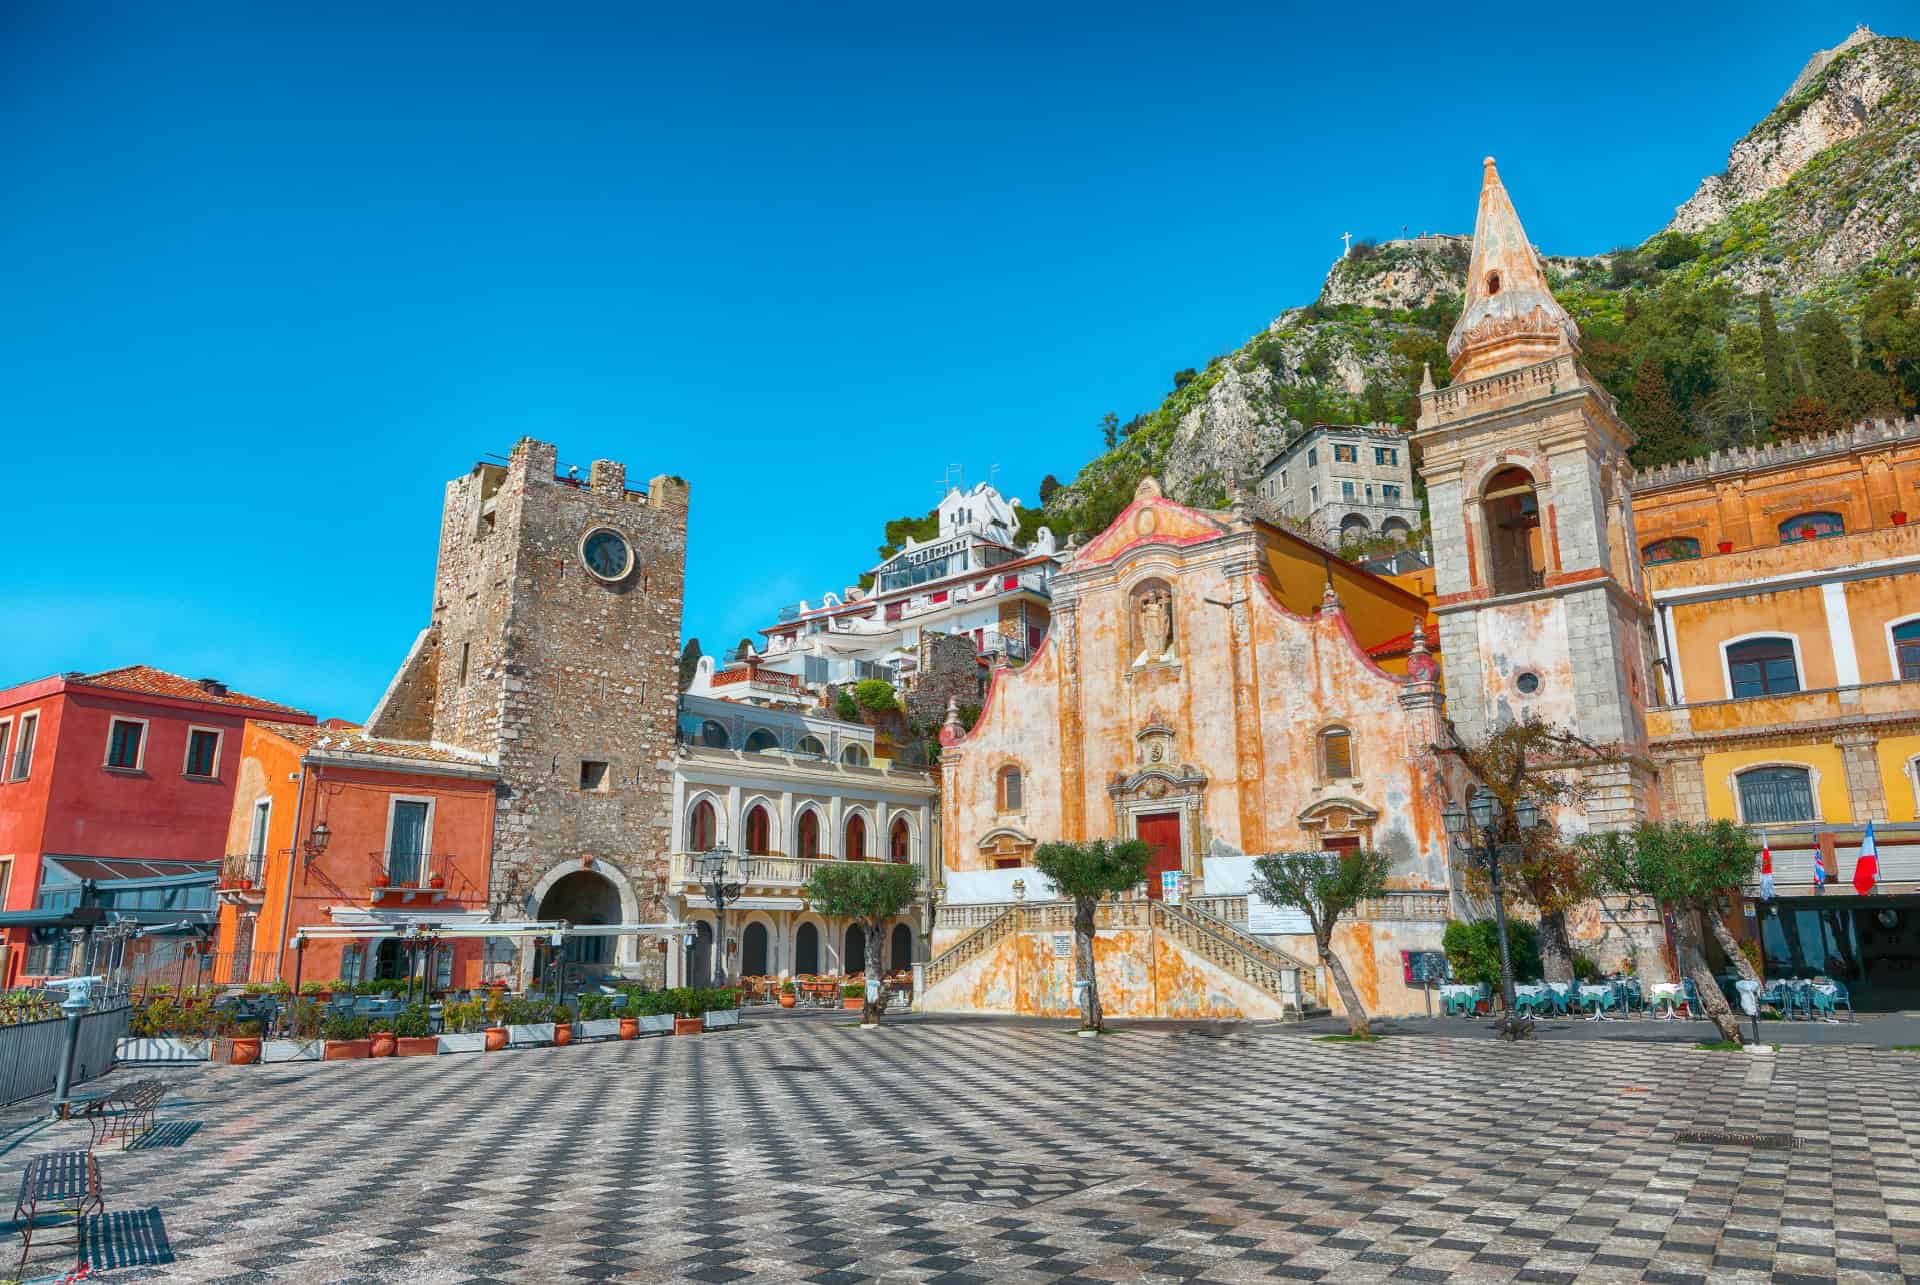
(1766, 868)
(1866, 870)
(1819, 871)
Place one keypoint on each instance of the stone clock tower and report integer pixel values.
(1537, 572)
(553, 649)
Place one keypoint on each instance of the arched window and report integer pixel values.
(856, 838)
(811, 745)
(760, 740)
(855, 958)
(702, 827)
(1512, 509)
(1336, 754)
(806, 949)
(759, 831)
(753, 950)
(900, 842)
(1011, 789)
(1395, 527)
(899, 947)
(713, 736)
(1906, 650)
(1812, 526)
(1675, 548)
(1776, 794)
(1353, 527)
(854, 756)
(806, 834)
(1762, 667)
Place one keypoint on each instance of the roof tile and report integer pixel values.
(158, 682)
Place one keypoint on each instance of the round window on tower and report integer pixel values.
(1528, 682)
(606, 554)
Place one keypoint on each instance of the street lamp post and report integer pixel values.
(1476, 828)
(720, 873)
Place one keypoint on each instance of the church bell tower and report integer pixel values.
(1524, 455)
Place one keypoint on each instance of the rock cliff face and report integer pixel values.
(1828, 182)
(1818, 200)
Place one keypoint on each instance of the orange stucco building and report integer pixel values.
(1785, 581)
(333, 827)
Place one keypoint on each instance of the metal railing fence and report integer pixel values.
(30, 1052)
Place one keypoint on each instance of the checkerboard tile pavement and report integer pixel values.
(978, 1152)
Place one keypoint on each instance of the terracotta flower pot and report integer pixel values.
(629, 1028)
(688, 1026)
(417, 1046)
(1899, 517)
(1726, 546)
(853, 1003)
(383, 1044)
(237, 1050)
(787, 999)
(496, 1038)
(341, 1050)
(563, 1033)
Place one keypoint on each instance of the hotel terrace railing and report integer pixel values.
(987, 584)
(757, 872)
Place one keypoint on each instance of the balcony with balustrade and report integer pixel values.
(769, 875)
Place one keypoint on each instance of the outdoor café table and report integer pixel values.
(1451, 990)
(1672, 993)
(1599, 995)
(69, 1179)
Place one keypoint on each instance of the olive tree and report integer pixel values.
(1681, 866)
(1084, 873)
(1534, 759)
(1324, 886)
(872, 893)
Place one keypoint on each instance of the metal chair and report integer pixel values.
(1841, 998)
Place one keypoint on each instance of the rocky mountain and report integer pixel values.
(1819, 202)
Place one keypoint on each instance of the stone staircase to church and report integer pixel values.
(1210, 941)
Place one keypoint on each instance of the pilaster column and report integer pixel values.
(1683, 786)
(1866, 792)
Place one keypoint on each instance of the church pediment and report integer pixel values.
(1150, 519)
(1159, 782)
(1338, 815)
(1006, 841)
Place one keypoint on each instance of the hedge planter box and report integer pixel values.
(417, 1045)
(160, 1048)
(687, 1026)
(607, 1028)
(853, 1003)
(343, 1050)
(473, 1042)
(241, 1050)
(290, 1051)
(721, 1019)
(658, 1024)
(534, 1033)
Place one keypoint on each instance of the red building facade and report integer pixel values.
(131, 763)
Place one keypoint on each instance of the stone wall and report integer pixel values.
(949, 669)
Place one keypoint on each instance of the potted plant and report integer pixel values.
(684, 1003)
(1809, 533)
(384, 1043)
(853, 996)
(344, 1037)
(1899, 517)
(239, 1047)
(629, 1027)
(1726, 546)
(789, 993)
(528, 1021)
(495, 1031)
(562, 1024)
(413, 1032)
(315, 990)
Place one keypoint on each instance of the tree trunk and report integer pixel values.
(1724, 935)
(1349, 997)
(871, 1009)
(1693, 965)
(1091, 1019)
(1556, 948)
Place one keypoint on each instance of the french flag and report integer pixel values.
(1866, 871)
(1766, 868)
(1819, 871)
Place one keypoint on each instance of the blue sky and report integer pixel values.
(273, 277)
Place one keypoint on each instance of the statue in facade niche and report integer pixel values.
(1156, 627)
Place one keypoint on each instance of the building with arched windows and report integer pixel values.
(1344, 484)
(789, 788)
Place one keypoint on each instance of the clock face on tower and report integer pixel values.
(606, 554)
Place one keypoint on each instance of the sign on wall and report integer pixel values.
(1171, 881)
(1062, 945)
(1265, 917)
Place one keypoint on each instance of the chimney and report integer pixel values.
(212, 686)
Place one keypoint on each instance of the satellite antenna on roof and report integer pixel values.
(993, 474)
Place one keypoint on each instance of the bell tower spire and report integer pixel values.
(1510, 318)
